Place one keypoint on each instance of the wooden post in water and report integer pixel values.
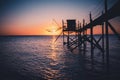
(84, 35)
(63, 31)
(79, 36)
(92, 47)
(68, 40)
(103, 41)
(91, 33)
(107, 37)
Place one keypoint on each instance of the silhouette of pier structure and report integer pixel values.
(80, 38)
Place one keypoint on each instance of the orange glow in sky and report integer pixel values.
(36, 18)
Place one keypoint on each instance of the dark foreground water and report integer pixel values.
(39, 58)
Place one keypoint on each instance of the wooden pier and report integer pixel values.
(75, 35)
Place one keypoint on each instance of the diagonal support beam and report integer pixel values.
(113, 29)
(97, 44)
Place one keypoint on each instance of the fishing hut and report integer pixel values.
(72, 36)
(70, 33)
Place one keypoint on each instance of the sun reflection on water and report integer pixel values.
(53, 54)
(53, 70)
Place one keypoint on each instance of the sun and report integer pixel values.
(53, 30)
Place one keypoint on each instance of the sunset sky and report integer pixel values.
(35, 17)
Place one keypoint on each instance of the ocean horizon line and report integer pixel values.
(41, 35)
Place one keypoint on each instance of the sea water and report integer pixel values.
(39, 57)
